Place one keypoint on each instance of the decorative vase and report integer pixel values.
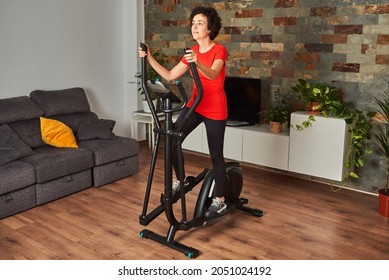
(311, 108)
(383, 203)
(275, 127)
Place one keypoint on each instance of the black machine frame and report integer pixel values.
(168, 198)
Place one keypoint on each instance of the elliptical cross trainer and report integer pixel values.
(233, 170)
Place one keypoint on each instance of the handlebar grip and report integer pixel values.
(196, 76)
(143, 47)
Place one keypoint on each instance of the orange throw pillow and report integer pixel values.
(57, 134)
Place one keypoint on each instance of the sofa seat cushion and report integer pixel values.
(110, 150)
(16, 175)
(51, 163)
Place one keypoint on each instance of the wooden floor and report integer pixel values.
(303, 220)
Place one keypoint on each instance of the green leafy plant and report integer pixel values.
(326, 98)
(304, 124)
(279, 111)
(360, 129)
(324, 95)
(380, 133)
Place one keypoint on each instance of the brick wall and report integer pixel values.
(339, 42)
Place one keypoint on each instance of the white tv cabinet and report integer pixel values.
(318, 151)
(251, 144)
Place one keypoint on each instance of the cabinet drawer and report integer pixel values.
(265, 148)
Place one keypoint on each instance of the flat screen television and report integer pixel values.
(243, 99)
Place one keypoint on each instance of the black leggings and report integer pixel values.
(215, 135)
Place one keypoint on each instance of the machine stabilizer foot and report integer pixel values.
(187, 251)
(252, 211)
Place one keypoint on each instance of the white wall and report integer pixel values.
(55, 44)
(133, 34)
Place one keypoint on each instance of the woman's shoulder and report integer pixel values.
(220, 47)
(220, 51)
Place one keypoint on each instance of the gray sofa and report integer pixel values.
(33, 173)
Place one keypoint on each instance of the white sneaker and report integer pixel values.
(176, 185)
(217, 207)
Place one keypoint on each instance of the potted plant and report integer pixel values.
(381, 140)
(317, 97)
(278, 113)
(152, 75)
(329, 104)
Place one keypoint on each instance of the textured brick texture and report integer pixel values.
(341, 42)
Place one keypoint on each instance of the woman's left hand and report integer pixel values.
(191, 56)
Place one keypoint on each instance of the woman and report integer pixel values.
(210, 59)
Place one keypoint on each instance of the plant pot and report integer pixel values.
(311, 108)
(146, 107)
(383, 203)
(275, 127)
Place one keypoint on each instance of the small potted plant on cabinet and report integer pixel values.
(381, 140)
(278, 113)
(317, 96)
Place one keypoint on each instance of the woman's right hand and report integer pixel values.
(143, 53)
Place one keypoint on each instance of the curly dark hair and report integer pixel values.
(214, 20)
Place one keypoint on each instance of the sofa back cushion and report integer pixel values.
(29, 131)
(75, 120)
(98, 129)
(18, 109)
(11, 146)
(59, 102)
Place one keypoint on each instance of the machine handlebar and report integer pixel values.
(145, 88)
(200, 94)
(181, 90)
